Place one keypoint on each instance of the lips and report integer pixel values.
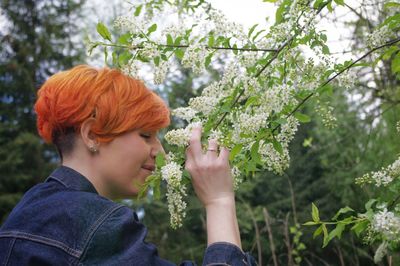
(151, 168)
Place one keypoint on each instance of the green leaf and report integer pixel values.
(360, 227)
(178, 40)
(138, 10)
(315, 213)
(170, 41)
(277, 146)
(179, 53)
(124, 39)
(369, 204)
(325, 49)
(339, 2)
(396, 63)
(252, 29)
(325, 242)
(279, 12)
(329, 6)
(211, 40)
(254, 151)
(156, 60)
(207, 62)
(270, 1)
(103, 31)
(160, 160)
(235, 52)
(235, 150)
(251, 100)
(391, 5)
(302, 117)
(105, 54)
(258, 33)
(337, 232)
(342, 211)
(310, 223)
(318, 231)
(124, 57)
(152, 28)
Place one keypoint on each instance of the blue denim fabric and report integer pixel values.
(64, 221)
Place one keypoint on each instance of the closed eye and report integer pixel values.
(146, 136)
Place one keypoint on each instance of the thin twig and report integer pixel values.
(137, 47)
(270, 236)
(257, 231)
(287, 240)
(391, 42)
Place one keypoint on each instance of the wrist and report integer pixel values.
(222, 201)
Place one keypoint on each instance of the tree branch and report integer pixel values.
(138, 47)
(391, 42)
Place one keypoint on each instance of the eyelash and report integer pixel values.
(145, 136)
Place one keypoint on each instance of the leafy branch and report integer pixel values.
(138, 47)
(389, 43)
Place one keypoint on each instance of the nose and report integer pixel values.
(157, 148)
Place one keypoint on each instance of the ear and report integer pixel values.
(88, 138)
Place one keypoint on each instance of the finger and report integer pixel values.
(195, 141)
(212, 147)
(224, 154)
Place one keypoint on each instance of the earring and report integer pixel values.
(93, 149)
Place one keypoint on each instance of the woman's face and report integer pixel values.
(127, 161)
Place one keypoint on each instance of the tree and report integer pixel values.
(37, 41)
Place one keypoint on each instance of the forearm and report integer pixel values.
(222, 225)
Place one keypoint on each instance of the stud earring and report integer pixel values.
(93, 149)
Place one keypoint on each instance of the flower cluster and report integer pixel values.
(387, 224)
(383, 177)
(176, 192)
(180, 137)
(379, 36)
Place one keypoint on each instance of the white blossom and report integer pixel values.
(379, 36)
(195, 57)
(387, 223)
(176, 192)
(131, 69)
(274, 160)
(204, 104)
(160, 72)
(186, 113)
(180, 136)
(381, 252)
(237, 177)
(381, 178)
(176, 204)
(172, 173)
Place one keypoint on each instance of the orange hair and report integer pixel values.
(118, 103)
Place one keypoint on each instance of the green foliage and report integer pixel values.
(36, 42)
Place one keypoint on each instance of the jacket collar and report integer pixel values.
(72, 179)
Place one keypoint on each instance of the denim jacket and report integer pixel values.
(64, 221)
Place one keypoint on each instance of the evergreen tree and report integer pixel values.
(37, 41)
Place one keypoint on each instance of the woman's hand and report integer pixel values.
(212, 181)
(210, 171)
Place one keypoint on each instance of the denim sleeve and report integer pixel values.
(227, 254)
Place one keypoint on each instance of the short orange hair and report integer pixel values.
(118, 103)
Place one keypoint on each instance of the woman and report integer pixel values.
(104, 125)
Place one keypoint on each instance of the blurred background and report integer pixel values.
(41, 37)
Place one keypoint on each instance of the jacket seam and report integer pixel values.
(9, 251)
(43, 240)
(94, 228)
